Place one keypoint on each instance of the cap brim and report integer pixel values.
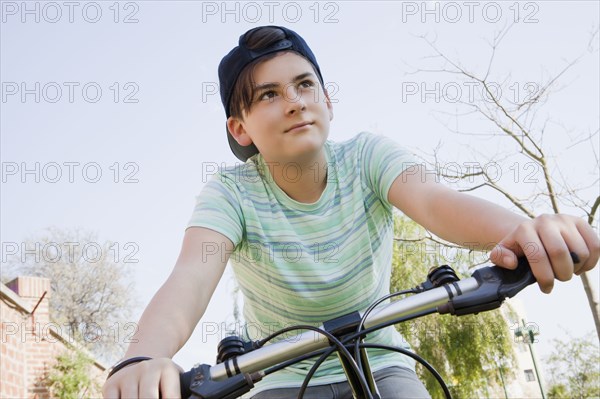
(241, 152)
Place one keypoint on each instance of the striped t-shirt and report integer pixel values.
(300, 263)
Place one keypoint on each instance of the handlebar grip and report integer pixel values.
(513, 281)
(185, 380)
(495, 285)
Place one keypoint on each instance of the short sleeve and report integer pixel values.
(382, 161)
(218, 207)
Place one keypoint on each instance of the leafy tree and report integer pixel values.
(574, 367)
(470, 352)
(91, 298)
(558, 391)
(69, 377)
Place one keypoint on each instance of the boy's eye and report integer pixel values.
(307, 83)
(270, 94)
(267, 95)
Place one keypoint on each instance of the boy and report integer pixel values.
(307, 225)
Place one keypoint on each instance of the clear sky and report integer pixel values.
(129, 90)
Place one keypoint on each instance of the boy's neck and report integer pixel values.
(302, 181)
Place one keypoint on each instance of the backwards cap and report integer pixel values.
(233, 63)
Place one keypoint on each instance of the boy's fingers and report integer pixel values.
(503, 256)
(540, 266)
(149, 382)
(578, 251)
(592, 243)
(169, 384)
(553, 251)
(557, 252)
(526, 239)
(111, 392)
(129, 391)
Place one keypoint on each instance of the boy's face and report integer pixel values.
(288, 93)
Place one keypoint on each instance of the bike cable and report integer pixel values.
(360, 332)
(416, 357)
(364, 318)
(338, 346)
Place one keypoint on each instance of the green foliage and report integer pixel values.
(69, 377)
(470, 352)
(558, 391)
(574, 368)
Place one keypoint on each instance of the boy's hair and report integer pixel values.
(236, 72)
(242, 96)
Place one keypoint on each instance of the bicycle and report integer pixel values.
(240, 363)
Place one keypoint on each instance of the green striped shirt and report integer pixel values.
(299, 263)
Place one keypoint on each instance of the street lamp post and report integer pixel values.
(529, 338)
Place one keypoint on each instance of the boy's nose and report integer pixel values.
(294, 99)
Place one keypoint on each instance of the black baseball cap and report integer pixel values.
(233, 63)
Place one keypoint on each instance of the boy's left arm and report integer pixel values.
(546, 240)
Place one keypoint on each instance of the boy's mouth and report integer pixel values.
(297, 125)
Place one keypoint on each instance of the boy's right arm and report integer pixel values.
(170, 318)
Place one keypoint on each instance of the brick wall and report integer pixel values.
(13, 362)
(30, 343)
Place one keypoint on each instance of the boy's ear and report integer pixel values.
(238, 131)
(328, 103)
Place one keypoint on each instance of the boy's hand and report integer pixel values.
(145, 380)
(547, 241)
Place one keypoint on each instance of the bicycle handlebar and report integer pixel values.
(485, 290)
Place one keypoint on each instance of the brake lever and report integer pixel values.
(495, 285)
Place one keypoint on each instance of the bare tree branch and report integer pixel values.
(519, 121)
(593, 211)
